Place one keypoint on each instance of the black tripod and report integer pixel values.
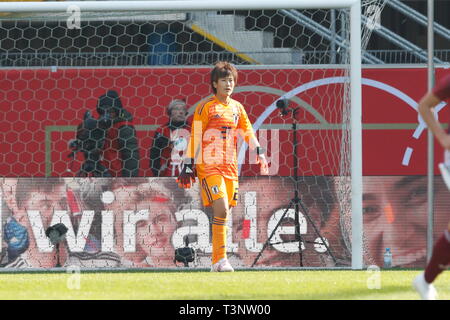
(295, 202)
(58, 263)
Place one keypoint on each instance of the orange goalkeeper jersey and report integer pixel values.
(214, 133)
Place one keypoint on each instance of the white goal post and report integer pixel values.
(355, 67)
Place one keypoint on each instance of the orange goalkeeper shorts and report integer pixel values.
(217, 187)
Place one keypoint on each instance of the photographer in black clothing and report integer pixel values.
(109, 143)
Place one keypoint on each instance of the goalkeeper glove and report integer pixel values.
(261, 159)
(187, 175)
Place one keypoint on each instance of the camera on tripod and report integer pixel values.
(91, 133)
(90, 140)
(283, 105)
(185, 255)
(56, 234)
(296, 202)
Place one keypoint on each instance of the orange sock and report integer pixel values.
(219, 239)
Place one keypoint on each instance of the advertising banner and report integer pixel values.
(139, 222)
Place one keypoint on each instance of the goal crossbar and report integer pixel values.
(191, 5)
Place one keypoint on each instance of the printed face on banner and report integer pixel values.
(144, 221)
(33, 207)
(395, 217)
(263, 204)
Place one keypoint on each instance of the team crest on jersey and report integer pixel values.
(235, 118)
(215, 189)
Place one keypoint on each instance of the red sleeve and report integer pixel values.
(442, 88)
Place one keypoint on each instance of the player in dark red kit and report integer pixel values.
(440, 259)
(170, 142)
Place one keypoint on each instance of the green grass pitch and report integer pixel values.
(253, 285)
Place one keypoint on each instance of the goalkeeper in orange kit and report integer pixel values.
(212, 155)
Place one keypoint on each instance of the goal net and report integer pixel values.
(96, 112)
